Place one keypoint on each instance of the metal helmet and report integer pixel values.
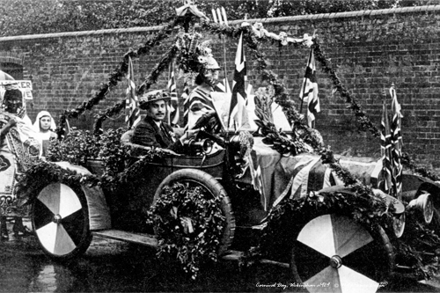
(211, 63)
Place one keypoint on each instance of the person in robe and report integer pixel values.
(44, 125)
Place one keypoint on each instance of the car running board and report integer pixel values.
(151, 241)
(142, 239)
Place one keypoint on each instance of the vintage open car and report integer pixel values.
(250, 181)
(329, 247)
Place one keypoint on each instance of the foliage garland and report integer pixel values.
(189, 226)
(44, 173)
(290, 215)
(409, 163)
(418, 247)
(252, 41)
(114, 77)
(364, 122)
(85, 146)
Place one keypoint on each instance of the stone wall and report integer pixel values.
(369, 50)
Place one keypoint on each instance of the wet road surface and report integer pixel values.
(114, 266)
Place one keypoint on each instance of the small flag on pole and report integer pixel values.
(173, 109)
(385, 140)
(309, 91)
(239, 94)
(132, 113)
(396, 141)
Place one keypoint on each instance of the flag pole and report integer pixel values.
(220, 17)
(304, 83)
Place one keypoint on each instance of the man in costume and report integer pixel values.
(200, 101)
(153, 131)
(19, 149)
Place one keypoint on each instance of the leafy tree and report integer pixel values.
(20, 17)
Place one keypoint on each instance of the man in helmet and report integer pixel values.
(200, 100)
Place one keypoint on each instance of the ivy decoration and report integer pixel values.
(408, 162)
(292, 214)
(415, 248)
(189, 225)
(109, 112)
(44, 173)
(114, 78)
(363, 120)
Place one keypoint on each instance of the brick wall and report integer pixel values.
(369, 51)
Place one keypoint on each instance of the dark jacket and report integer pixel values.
(147, 133)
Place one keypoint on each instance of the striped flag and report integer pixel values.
(173, 108)
(132, 113)
(185, 99)
(309, 90)
(222, 86)
(239, 94)
(385, 140)
(396, 141)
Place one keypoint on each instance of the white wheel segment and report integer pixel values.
(342, 280)
(55, 239)
(331, 235)
(60, 199)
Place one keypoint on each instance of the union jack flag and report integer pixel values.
(239, 94)
(309, 90)
(132, 113)
(396, 141)
(385, 149)
(173, 109)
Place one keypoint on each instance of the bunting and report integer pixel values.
(396, 141)
(132, 112)
(385, 140)
(173, 108)
(239, 94)
(309, 91)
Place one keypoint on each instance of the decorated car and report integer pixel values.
(242, 189)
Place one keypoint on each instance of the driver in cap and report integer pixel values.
(153, 131)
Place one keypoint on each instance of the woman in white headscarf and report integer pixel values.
(44, 125)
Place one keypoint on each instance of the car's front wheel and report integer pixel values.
(60, 220)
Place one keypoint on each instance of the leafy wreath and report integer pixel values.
(188, 225)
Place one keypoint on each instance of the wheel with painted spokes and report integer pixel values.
(61, 221)
(332, 253)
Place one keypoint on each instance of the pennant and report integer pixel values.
(173, 107)
(132, 112)
(385, 140)
(396, 142)
(239, 94)
(309, 90)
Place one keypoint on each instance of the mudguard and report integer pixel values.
(99, 212)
